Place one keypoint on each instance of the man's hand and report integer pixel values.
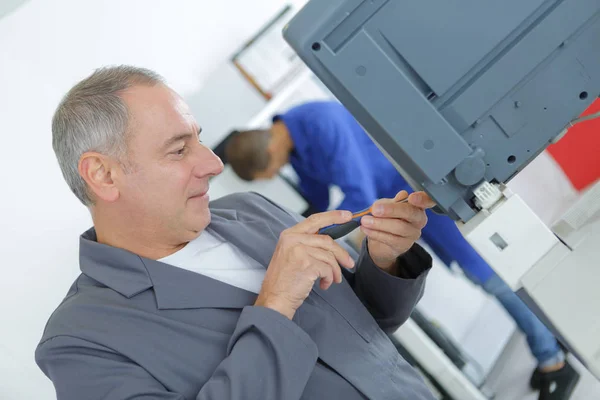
(395, 227)
(300, 258)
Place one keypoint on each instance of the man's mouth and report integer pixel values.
(199, 194)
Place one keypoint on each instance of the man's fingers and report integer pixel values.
(390, 239)
(421, 200)
(328, 258)
(417, 199)
(325, 274)
(406, 211)
(315, 222)
(396, 227)
(400, 196)
(403, 194)
(323, 242)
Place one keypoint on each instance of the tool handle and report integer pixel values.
(340, 230)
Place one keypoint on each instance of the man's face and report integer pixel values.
(165, 189)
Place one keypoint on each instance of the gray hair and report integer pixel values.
(93, 117)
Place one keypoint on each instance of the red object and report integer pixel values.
(578, 152)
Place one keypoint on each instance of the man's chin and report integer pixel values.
(198, 206)
(198, 221)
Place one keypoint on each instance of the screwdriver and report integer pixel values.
(337, 231)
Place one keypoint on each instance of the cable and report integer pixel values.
(586, 118)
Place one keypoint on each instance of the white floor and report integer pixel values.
(510, 378)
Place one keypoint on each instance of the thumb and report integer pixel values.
(421, 200)
(401, 195)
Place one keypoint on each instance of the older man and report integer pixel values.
(236, 299)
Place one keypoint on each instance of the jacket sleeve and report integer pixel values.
(268, 357)
(390, 299)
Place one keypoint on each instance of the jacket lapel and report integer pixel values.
(253, 237)
(177, 288)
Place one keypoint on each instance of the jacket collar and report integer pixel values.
(176, 288)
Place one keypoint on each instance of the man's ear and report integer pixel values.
(98, 171)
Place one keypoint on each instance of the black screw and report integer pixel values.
(316, 46)
(583, 95)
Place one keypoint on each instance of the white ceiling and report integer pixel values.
(7, 6)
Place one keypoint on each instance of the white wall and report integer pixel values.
(45, 47)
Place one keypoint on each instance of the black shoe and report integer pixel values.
(535, 382)
(558, 385)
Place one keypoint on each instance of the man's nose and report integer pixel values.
(208, 163)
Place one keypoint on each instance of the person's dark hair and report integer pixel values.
(247, 152)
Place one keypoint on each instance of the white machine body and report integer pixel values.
(549, 265)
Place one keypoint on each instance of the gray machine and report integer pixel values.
(461, 95)
(456, 92)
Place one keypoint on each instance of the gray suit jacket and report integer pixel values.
(135, 328)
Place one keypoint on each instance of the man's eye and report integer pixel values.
(180, 152)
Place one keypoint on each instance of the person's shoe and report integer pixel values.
(535, 382)
(558, 385)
